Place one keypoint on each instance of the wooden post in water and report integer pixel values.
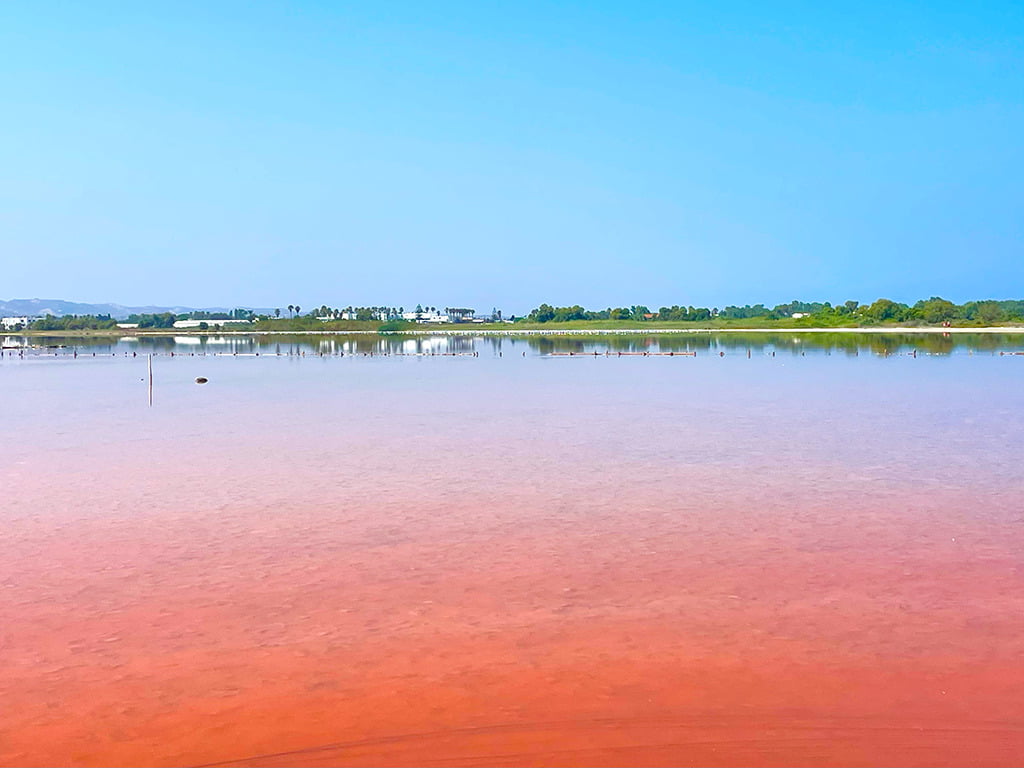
(150, 363)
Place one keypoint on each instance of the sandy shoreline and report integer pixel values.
(646, 332)
(531, 332)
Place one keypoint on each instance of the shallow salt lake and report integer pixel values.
(759, 549)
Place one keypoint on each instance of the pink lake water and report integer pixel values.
(509, 556)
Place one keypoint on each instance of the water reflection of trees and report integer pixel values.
(851, 344)
(780, 343)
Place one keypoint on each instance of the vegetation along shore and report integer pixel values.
(883, 315)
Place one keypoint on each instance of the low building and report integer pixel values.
(15, 323)
(426, 316)
(381, 314)
(209, 323)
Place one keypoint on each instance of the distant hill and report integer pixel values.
(59, 307)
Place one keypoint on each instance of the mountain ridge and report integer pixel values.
(61, 307)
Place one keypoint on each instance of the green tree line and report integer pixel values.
(933, 311)
(72, 323)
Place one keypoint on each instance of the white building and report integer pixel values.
(12, 323)
(209, 323)
(354, 315)
(427, 316)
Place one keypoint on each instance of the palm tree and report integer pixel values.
(277, 313)
(298, 309)
(291, 309)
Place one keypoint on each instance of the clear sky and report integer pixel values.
(506, 154)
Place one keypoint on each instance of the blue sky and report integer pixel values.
(486, 154)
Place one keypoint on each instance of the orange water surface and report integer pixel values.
(505, 562)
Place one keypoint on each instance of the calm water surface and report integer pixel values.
(784, 549)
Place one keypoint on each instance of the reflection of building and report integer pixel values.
(425, 345)
(434, 345)
(462, 344)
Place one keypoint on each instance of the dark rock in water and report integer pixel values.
(201, 379)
